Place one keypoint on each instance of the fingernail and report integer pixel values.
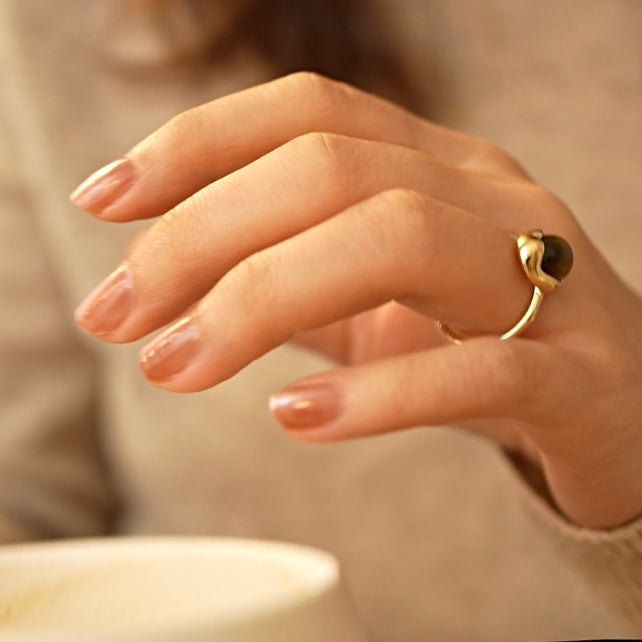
(170, 353)
(305, 405)
(104, 186)
(107, 306)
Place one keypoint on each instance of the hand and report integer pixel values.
(353, 241)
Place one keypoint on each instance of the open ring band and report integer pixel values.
(546, 261)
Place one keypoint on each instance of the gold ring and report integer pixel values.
(546, 261)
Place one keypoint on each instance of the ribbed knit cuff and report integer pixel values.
(611, 560)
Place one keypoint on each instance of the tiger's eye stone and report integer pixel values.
(558, 257)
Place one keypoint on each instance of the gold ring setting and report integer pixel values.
(546, 261)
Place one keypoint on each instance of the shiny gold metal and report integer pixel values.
(531, 253)
(530, 248)
(527, 318)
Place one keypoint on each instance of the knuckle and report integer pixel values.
(178, 235)
(495, 157)
(326, 94)
(318, 144)
(159, 260)
(416, 216)
(239, 288)
(308, 85)
(408, 202)
(410, 221)
(487, 150)
(329, 153)
(307, 80)
(252, 281)
(187, 123)
(251, 273)
(253, 288)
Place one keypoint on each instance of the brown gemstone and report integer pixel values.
(558, 257)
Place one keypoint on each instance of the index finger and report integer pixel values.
(212, 140)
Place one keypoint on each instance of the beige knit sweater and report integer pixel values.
(439, 537)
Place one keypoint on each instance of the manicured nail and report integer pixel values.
(170, 353)
(104, 186)
(108, 305)
(305, 405)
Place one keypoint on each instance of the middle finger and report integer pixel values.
(304, 182)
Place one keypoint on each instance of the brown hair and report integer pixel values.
(343, 39)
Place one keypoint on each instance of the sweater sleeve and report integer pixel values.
(610, 560)
(53, 481)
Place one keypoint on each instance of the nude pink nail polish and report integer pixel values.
(171, 352)
(104, 186)
(305, 405)
(108, 305)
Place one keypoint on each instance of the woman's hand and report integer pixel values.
(305, 209)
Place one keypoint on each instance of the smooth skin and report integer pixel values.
(307, 210)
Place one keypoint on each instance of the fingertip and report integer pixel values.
(306, 405)
(105, 309)
(104, 187)
(169, 354)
